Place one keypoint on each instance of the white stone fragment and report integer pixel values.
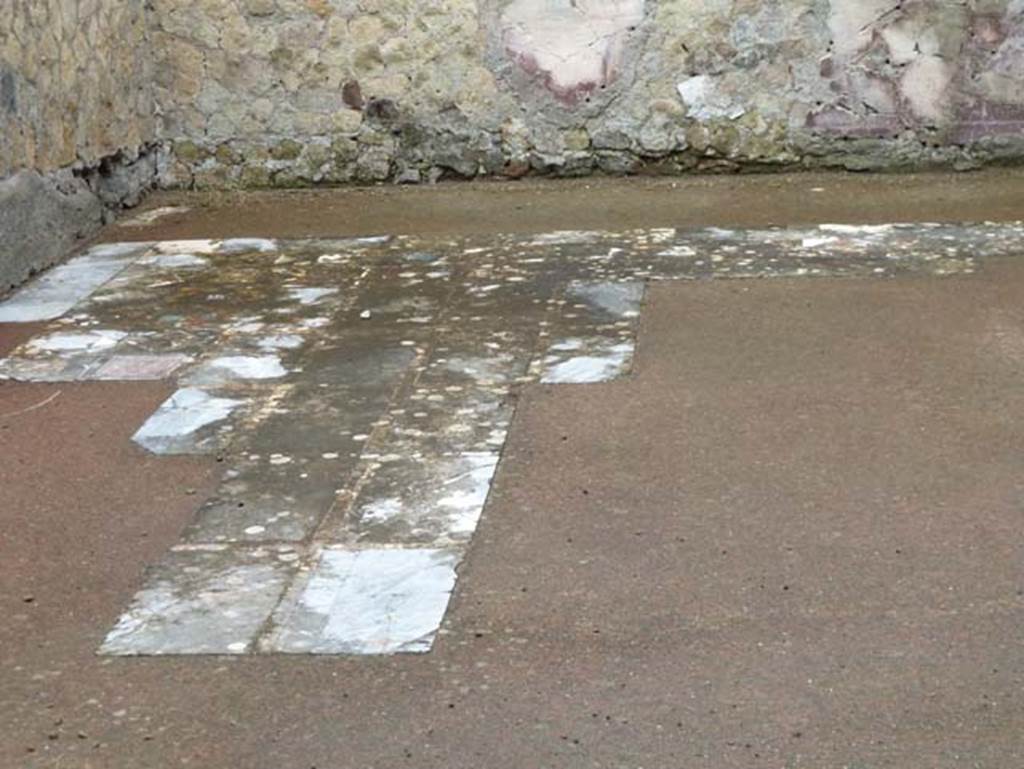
(859, 229)
(310, 295)
(173, 428)
(137, 368)
(678, 250)
(185, 246)
(175, 261)
(238, 245)
(705, 100)
(619, 299)
(77, 341)
(280, 342)
(465, 494)
(816, 242)
(230, 368)
(603, 362)
(564, 237)
(148, 217)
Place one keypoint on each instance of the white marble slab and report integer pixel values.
(204, 601)
(175, 427)
(379, 601)
(55, 292)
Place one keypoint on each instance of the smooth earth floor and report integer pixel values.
(791, 538)
(598, 203)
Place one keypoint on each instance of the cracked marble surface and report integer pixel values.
(358, 392)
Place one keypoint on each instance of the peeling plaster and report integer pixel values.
(573, 46)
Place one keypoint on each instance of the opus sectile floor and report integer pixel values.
(357, 393)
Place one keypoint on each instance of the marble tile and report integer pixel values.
(377, 601)
(204, 601)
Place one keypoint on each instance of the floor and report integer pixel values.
(756, 501)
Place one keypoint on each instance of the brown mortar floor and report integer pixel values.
(607, 204)
(790, 539)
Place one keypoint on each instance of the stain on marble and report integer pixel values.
(358, 393)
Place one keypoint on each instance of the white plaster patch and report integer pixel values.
(576, 45)
(173, 428)
(379, 601)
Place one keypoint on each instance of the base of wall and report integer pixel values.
(405, 152)
(44, 217)
(242, 165)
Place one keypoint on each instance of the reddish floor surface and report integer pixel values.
(606, 204)
(791, 539)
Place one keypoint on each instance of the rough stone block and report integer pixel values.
(41, 222)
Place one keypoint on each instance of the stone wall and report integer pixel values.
(98, 97)
(295, 92)
(77, 124)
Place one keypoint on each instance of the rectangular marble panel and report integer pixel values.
(209, 601)
(379, 601)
